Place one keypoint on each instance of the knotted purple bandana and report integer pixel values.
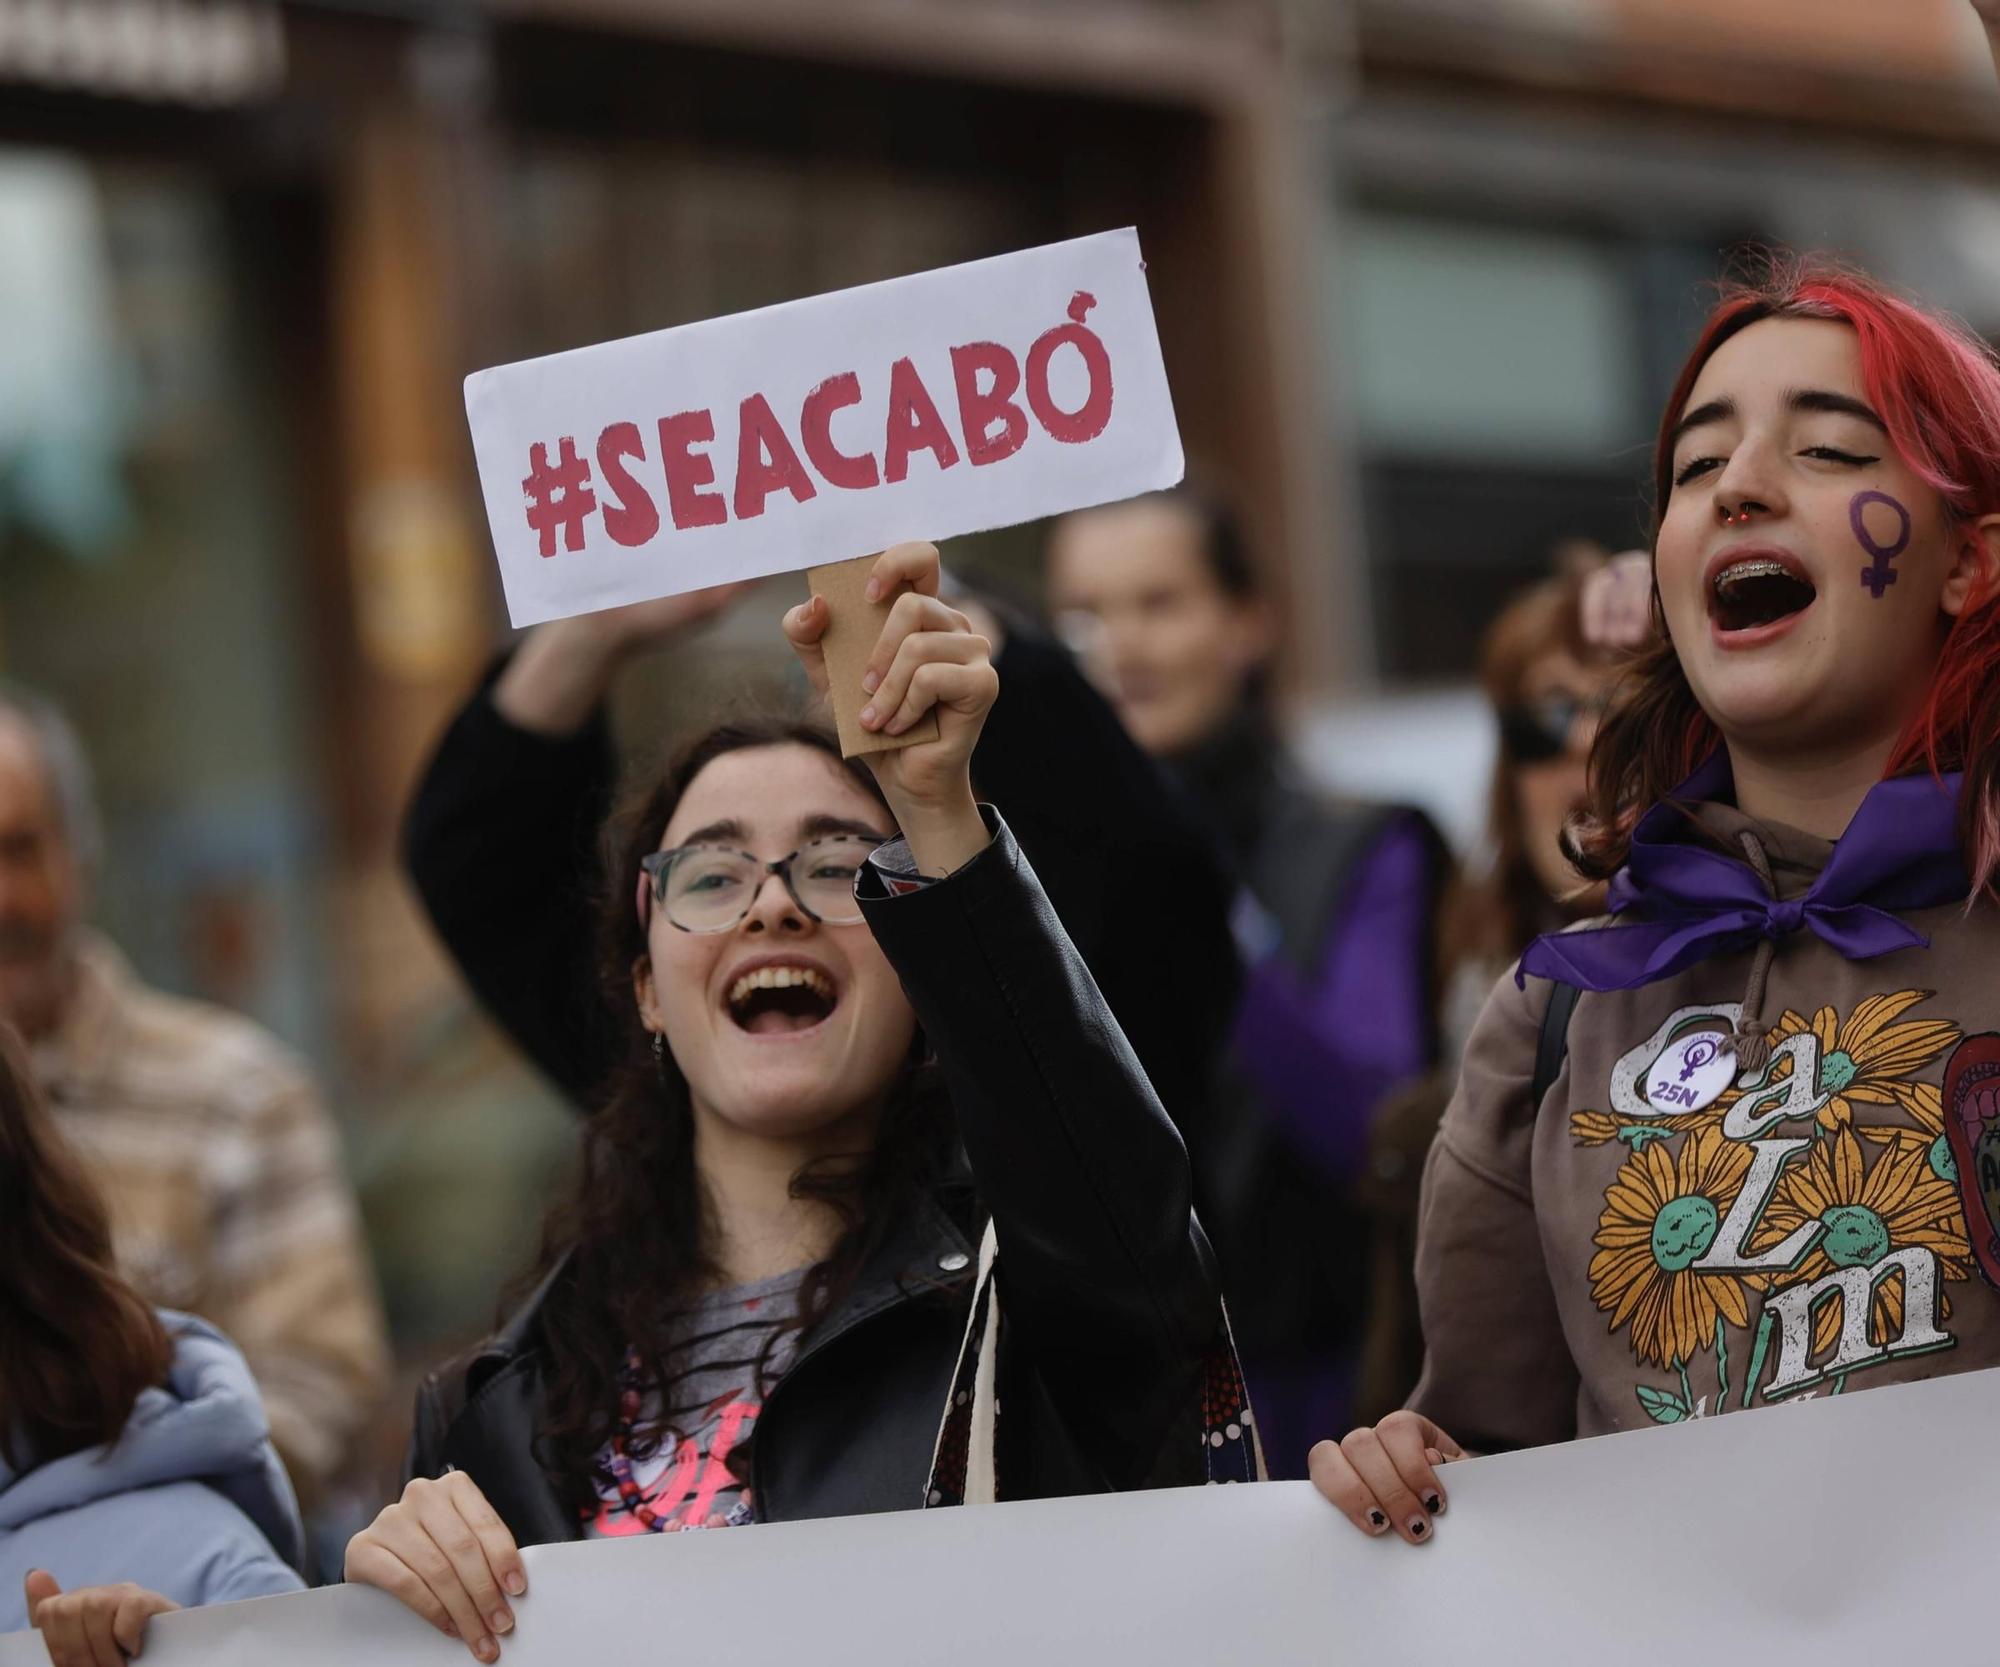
(1682, 903)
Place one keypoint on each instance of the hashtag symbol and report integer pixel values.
(559, 496)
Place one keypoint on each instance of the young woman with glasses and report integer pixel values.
(833, 1069)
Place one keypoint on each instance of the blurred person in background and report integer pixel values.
(1546, 666)
(219, 1164)
(1337, 917)
(832, 1069)
(136, 1468)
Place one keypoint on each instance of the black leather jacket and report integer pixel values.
(1107, 1284)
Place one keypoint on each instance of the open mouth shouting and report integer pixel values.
(780, 995)
(1755, 593)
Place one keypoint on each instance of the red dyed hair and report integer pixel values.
(1937, 389)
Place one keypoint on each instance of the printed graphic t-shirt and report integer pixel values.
(1664, 1238)
(704, 1412)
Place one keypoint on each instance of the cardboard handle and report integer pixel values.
(853, 626)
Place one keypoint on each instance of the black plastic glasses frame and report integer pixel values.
(657, 865)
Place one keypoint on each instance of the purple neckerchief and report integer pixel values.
(1683, 903)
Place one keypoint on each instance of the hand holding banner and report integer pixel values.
(1855, 1528)
(819, 430)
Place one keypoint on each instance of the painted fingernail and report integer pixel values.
(1377, 1522)
(502, 1621)
(870, 682)
(1418, 1528)
(1434, 1503)
(517, 1583)
(867, 717)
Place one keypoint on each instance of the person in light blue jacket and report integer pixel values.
(136, 1467)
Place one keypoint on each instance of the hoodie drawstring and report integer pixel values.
(1750, 1042)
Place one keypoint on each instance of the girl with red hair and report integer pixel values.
(1739, 1143)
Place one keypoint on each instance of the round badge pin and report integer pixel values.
(1691, 1072)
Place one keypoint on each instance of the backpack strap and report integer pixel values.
(1553, 1043)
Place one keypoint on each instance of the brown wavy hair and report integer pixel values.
(634, 1235)
(1937, 387)
(77, 1343)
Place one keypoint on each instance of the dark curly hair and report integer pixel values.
(77, 1344)
(634, 1235)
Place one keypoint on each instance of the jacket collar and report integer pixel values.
(929, 1252)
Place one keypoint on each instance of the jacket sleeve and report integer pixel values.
(501, 845)
(424, 1456)
(1107, 1281)
(1498, 1373)
(1126, 861)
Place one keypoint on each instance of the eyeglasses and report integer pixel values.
(710, 888)
(1536, 731)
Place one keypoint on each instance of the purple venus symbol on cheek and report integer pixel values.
(1878, 576)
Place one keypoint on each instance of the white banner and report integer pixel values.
(1857, 1528)
(946, 403)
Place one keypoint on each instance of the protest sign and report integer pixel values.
(819, 430)
(1853, 1528)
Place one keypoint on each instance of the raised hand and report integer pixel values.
(1386, 1477)
(94, 1626)
(442, 1551)
(563, 669)
(1617, 600)
(927, 658)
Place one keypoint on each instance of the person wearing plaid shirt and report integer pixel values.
(219, 1162)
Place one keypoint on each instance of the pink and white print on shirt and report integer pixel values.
(707, 1410)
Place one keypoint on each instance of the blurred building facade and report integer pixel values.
(1532, 196)
(256, 247)
(1421, 269)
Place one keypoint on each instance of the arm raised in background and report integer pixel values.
(501, 836)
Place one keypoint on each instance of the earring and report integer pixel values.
(659, 1051)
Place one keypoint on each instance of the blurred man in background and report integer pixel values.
(1337, 920)
(221, 1167)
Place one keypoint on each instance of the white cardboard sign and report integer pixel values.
(971, 397)
(1855, 1528)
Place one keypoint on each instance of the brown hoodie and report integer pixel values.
(1599, 1261)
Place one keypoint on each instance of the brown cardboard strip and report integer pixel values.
(853, 626)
